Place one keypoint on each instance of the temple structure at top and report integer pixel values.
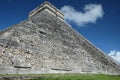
(47, 7)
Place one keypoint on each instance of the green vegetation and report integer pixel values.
(63, 76)
(77, 77)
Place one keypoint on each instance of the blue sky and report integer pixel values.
(102, 28)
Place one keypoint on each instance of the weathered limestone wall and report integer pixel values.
(46, 44)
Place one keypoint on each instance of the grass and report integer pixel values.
(77, 77)
(66, 76)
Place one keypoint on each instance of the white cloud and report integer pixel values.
(115, 55)
(91, 13)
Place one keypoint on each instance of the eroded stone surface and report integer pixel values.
(45, 44)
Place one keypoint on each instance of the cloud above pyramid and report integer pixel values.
(91, 13)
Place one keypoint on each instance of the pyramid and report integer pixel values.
(45, 43)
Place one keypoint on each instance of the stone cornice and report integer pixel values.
(48, 7)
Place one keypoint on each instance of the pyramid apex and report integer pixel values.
(47, 6)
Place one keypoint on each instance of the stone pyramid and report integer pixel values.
(45, 43)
